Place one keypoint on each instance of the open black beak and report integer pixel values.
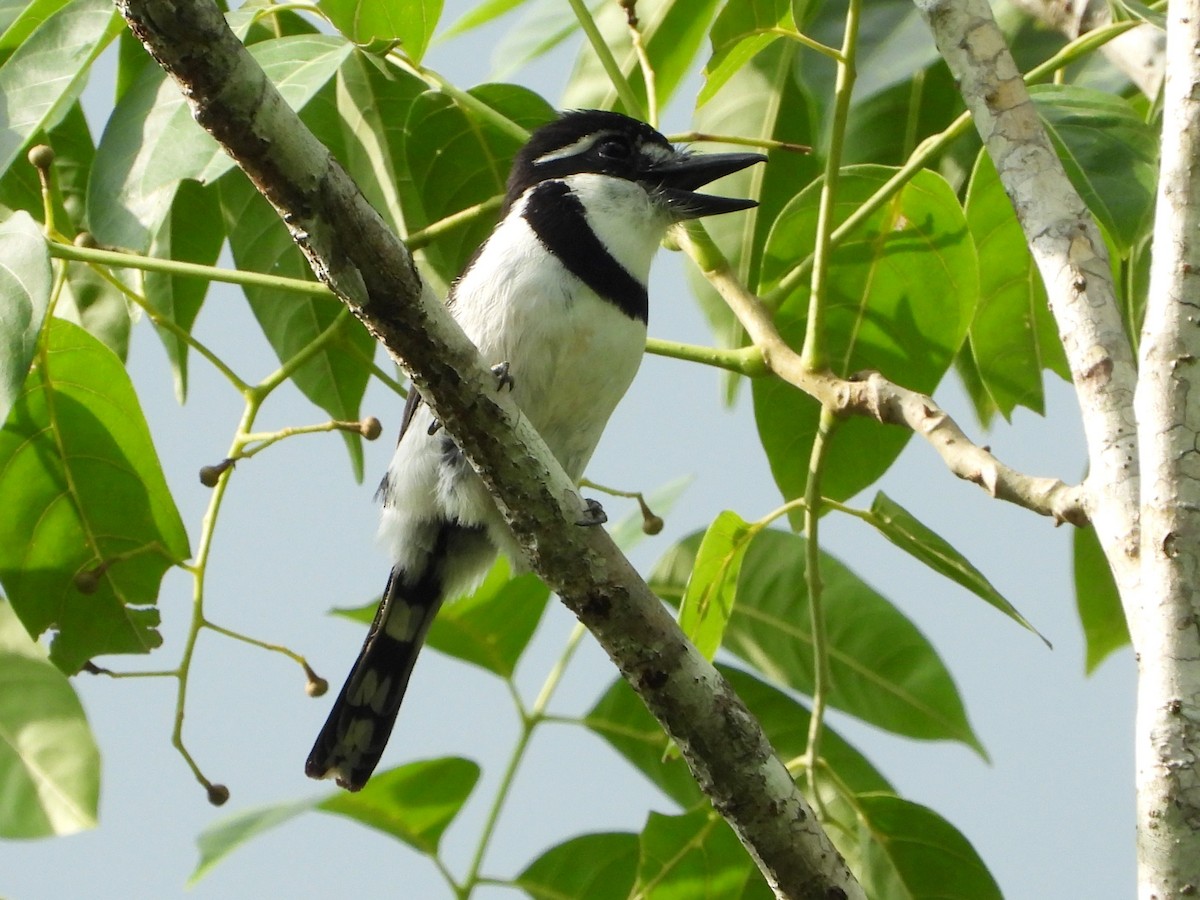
(675, 181)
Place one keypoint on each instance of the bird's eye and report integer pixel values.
(613, 148)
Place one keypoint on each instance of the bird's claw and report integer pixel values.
(593, 514)
(504, 378)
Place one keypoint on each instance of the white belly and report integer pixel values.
(571, 355)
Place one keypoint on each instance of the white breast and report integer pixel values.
(572, 356)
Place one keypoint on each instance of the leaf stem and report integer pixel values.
(816, 609)
(200, 569)
(530, 719)
(285, 371)
(427, 235)
(185, 269)
(264, 439)
(462, 98)
(643, 58)
(804, 40)
(255, 642)
(766, 143)
(604, 54)
(171, 326)
(743, 360)
(813, 353)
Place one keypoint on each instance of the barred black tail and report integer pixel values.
(357, 730)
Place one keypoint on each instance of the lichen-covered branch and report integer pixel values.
(1073, 261)
(351, 249)
(1168, 413)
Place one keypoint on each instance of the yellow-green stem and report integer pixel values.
(604, 54)
(200, 567)
(262, 440)
(170, 325)
(285, 371)
(813, 353)
(255, 642)
(816, 609)
(743, 360)
(185, 269)
(530, 719)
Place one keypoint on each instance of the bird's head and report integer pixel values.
(600, 142)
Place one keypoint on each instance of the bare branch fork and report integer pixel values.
(351, 250)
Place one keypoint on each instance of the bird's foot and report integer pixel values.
(593, 514)
(504, 378)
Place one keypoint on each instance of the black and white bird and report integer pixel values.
(556, 297)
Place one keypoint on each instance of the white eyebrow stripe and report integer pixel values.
(658, 152)
(579, 147)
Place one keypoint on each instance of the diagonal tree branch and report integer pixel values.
(350, 249)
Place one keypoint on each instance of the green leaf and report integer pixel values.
(694, 856)
(18, 19)
(672, 32)
(900, 294)
(412, 22)
(85, 298)
(25, 280)
(909, 852)
(542, 27)
(49, 764)
(492, 626)
(86, 505)
(151, 143)
(335, 377)
(711, 590)
(1097, 599)
(1110, 154)
(194, 233)
(882, 669)
(456, 160)
(480, 14)
(98, 306)
(20, 187)
(621, 718)
(219, 840)
(740, 31)
(413, 803)
(903, 529)
(1125, 10)
(596, 866)
(886, 126)
(972, 383)
(1013, 335)
(48, 70)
